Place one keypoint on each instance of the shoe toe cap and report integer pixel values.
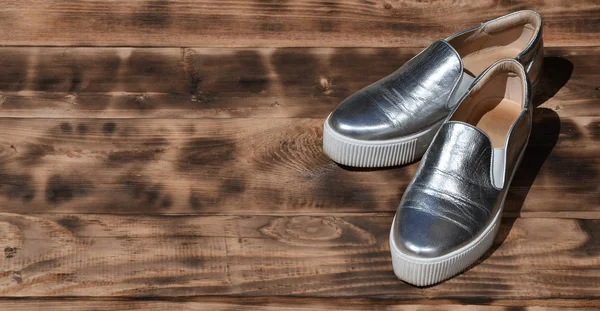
(359, 118)
(426, 235)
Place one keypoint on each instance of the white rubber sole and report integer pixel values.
(428, 271)
(376, 153)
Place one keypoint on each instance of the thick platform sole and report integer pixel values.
(377, 153)
(428, 271)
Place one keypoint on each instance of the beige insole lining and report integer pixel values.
(479, 61)
(495, 116)
(507, 43)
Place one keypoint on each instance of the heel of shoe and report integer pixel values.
(534, 67)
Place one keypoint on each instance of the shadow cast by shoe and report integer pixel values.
(555, 73)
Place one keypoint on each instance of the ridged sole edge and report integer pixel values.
(380, 153)
(428, 271)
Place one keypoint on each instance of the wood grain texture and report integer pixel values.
(240, 83)
(251, 305)
(302, 256)
(176, 163)
(249, 166)
(277, 23)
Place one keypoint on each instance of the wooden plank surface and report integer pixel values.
(241, 83)
(302, 256)
(251, 166)
(201, 160)
(198, 172)
(277, 23)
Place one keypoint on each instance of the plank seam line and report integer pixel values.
(387, 214)
(253, 47)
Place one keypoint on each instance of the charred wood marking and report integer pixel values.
(249, 165)
(277, 23)
(292, 82)
(305, 256)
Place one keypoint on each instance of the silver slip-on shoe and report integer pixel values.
(451, 210)
(393, 120)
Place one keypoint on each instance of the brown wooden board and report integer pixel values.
(251, 166)
(241, 83)
(335, 23)
(270, 304)
(302, 256)
(175, 161)
(246, 152)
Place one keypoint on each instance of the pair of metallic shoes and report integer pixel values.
(463, 104)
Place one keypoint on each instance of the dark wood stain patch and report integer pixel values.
(154, 14)
(294, 66)
(10, 252)
(594, 129)
(63, 188)
(195, 200)
(141, 193)
(591, 227)
(253, 75)
(66, 128)
(247, 73)
(233, 186)
(109, 128)
(62, 70)
(576, 169)
(34, 153)
(205, 153)
(16, 186)
(129, 156)
(156, 142)
(71, 223)
(145, 67)
(14, 70)
(82, 129)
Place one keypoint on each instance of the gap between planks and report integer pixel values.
(574, 215)
(218, 303)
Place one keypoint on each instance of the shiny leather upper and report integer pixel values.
(452, 197)
(416, 96)
(407, 101)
